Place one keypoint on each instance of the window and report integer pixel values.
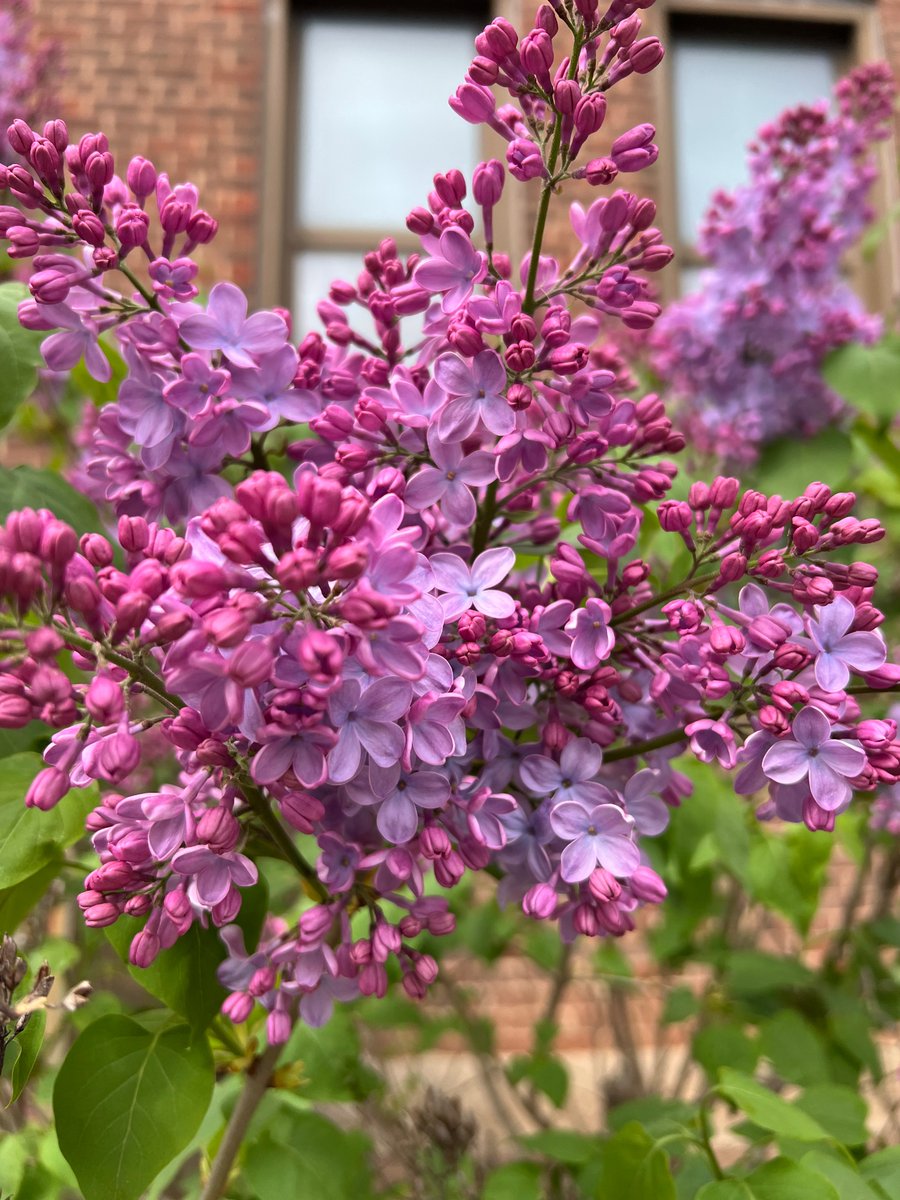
(371, 127)
(728, 77)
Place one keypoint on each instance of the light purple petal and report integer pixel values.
(272, 761)
(427, 789)
(580, 760)
(489, 372)
(579, 859)
(458, 418)
(569, 820)
(344, 756)
(458, 504)
(846, 757)
(454, 375)
(492, 566)
(832, 673)
(862, 651)
(786, 762)
(495, 604)
(540, 774)
(398, 819)
(228, 308)
(828, 788)
(450, 573)
(618, 855)
(386, 700)
(811, 728)
(425, 489)
(384, 742)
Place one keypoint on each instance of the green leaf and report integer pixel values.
(33, 487)
(29, 838)
(546, 1074)
(634, 1167)
(27, 1047)
(766, 1109)
(20, 352)
(655, 1113)
(847, 1180)
(126, 1101)
(883, 1168)
(515, 1181)
(17, 902)
(839, 1110)
(795, 1049)
(321, 1163)
(784, 1179)
(681, 1003)
(868, 377)
(331, 1060)
(751, 973)
(184, 976)
(32, 736)
(725, 1189)
(562, 1145)
(722, 1045)
(787, 472)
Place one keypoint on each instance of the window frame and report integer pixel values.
(282, 238)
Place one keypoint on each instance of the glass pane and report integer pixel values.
(314, 272)
(373, 134)
(724, 89)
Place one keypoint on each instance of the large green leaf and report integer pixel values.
(847, 1180)
(883, 1168)
(34, 487)
(127, 1100)
(33, 736)
(635, 1167)
(20, 352)
(795, 1049)
(184, 976)
(321, 1163)
(780, 1179)
(868, 377)
(839, 1110)
(29, 838)
(766, 1109)
(563, 1145)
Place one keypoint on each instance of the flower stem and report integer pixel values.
(258, 1077)
(664, 739)
(260, 806)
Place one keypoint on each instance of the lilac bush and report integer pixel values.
(424, 632)
(743, 355)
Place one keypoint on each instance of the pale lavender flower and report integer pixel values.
(78, 339)
(225, 326)
(812, 753)
(337, 862)
(454, 271)
(602, 836)
(642, 802)
(840, 651)
(367, 721)
(449, 482)
(593, 640)
(399, 796)
(214, 874)
(467, 587)
(572, 778)
(477, 392)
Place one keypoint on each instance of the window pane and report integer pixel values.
(725, 87)
(314, 272)
(373, 122)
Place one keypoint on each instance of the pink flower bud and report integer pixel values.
(646, 885)
(104, 700)
(539, 901)
(145, 946)
(47, 789)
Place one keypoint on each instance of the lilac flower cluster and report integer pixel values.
(431, 646)
(743, 354)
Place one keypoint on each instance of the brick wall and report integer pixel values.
(181, 82)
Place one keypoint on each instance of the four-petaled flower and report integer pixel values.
(602, 836)
(840, 651)
(478, 395)
(454, 271)
(593, 640)
(572, 778)
(225, 326)
(826, 763)
(474, 587)
(367, 720)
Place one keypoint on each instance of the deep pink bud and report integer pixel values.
(132, 226)
(487, 183)
(539, 901)
(646, 54)
(144, 948)
(47, 789)
(104, 700)
(219, 829)
(647, 885)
